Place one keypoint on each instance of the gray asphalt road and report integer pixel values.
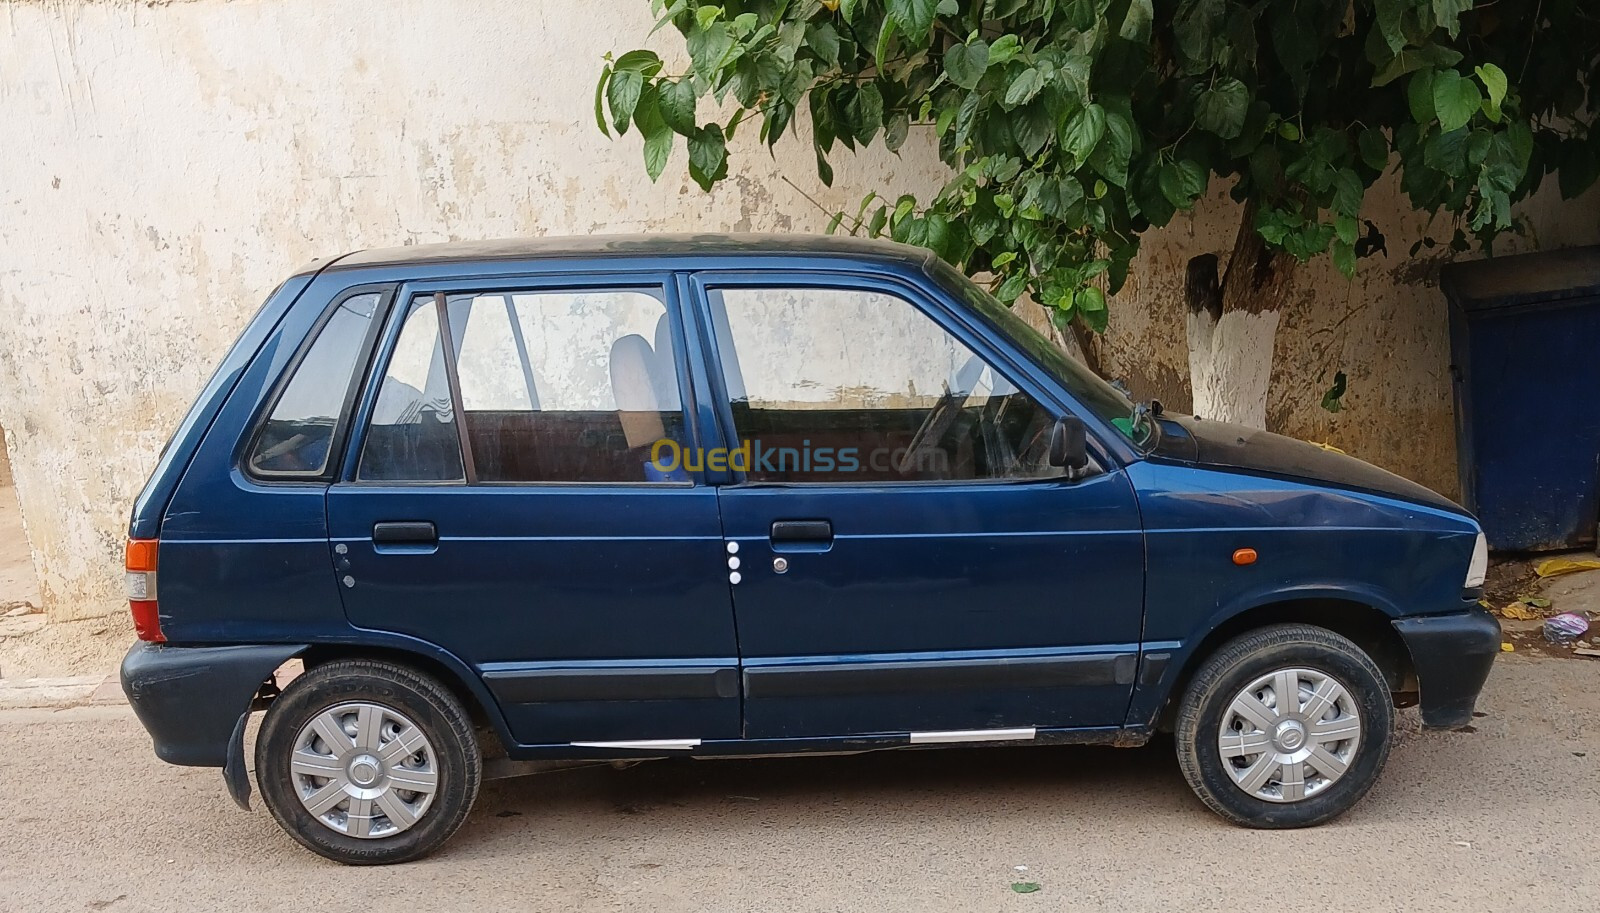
(1501, 818)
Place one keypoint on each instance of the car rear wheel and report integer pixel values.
(368, 762)
(1287, 726)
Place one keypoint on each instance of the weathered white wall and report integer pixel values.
(166, 164)
(1386, 329)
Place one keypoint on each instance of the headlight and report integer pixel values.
(1479, 567)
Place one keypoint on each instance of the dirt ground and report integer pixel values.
(1506, 817)
(1522, 599)
(30, 648)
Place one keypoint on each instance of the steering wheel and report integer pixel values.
(942, 415)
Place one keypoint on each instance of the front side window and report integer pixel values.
(1104, 400)
(845, 385)
(297, 437)
(554, 386)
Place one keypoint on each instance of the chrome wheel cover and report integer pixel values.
(1289, 735)
(364, 770)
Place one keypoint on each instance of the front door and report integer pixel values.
(909, 562)
(502, 505)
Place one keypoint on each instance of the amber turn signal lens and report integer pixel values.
(141, 555)
(1244, 556)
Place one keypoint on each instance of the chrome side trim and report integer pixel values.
(645, 744)
(972, 735)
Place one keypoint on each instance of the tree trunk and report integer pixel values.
(1232, 325)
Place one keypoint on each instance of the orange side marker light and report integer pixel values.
(1244, 556)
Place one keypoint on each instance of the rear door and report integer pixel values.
(908, 560)
(501, 504)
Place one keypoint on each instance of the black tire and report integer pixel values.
(1234, 667)
(421, 699)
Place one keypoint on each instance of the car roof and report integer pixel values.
(642, 245)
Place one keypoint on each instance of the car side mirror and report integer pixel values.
(1069, 443)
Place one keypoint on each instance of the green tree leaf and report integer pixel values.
(1419, 96)
(914, 17)
(966, 63)
(645, 63)
(1110, 158)
(657, 150)
(708, 46)
(708, 156)
(599, 101)
(823, 40)
(1412, 59)
(1024, 86)
(677, 102)
(1003, 49)
(622, 94)
(1455, 99)
(1031, 126)
(1081, 132)
(863, 112)
(1136, 24)
(1374, 149)
(1011, 289)
(1221, 109)
(1332, 400)
(1195, 26)
(1494, 82)
(1181, 182)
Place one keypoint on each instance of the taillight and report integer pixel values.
(141, 582)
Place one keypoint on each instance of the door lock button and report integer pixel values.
(780, 564)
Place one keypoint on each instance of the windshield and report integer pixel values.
(1108, 403)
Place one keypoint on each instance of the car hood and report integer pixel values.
(1224, 445)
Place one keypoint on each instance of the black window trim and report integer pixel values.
(341, 426)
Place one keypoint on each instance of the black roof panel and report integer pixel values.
(648, 245)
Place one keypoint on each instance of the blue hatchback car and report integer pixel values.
(622, 498)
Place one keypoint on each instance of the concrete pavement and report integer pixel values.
(1506, 817)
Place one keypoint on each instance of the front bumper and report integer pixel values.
(1452, 655)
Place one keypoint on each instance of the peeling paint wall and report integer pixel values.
(166, 166)
(1386, 329)
(168, 163)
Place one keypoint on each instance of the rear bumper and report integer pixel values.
(1452, 655)
(192, 699)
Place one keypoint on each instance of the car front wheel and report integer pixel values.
(367, 762)
(1286, 726)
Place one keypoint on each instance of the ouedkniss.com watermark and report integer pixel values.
(668, 456)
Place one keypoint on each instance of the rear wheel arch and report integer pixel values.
(485, 713)
(1367, 626)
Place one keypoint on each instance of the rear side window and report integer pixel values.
(297, 437)
(551, 386)
(412, 434)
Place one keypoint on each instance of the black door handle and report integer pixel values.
(801, 535)
(409, 532)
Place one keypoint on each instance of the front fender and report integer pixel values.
(1162, 663)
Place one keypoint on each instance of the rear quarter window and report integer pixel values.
(296, 439)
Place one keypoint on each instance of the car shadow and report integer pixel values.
(718, 798)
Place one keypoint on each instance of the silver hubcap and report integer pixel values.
(364, 770)
(1289, 735)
